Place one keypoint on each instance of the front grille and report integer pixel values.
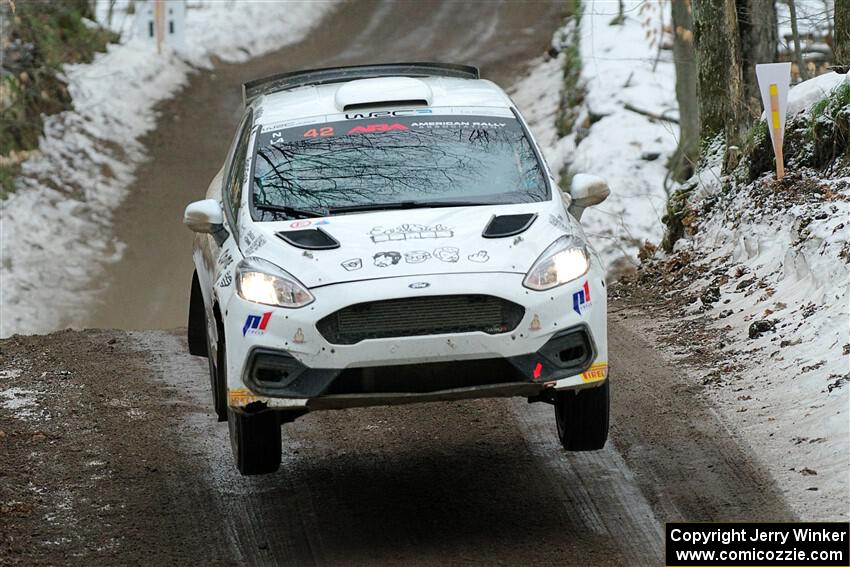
(417, 316)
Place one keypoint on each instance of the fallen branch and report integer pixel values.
(652, 115)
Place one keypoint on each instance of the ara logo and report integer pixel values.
(376, 128)
(256, 324)
(581, 299)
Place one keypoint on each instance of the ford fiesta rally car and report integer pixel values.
(390, 234)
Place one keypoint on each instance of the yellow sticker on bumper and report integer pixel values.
(599, 371)
(240, 397)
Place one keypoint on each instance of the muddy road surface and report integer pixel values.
(110, 455)
(148, 288)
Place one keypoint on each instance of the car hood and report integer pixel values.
(409, 242)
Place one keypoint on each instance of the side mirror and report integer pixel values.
(586, 191)
(204, 216)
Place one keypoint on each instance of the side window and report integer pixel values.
(232, 190)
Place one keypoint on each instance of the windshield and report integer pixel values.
(411, 160)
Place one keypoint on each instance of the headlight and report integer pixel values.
(262, 282)
(565, 260)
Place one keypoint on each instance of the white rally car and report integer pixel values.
(390, 234)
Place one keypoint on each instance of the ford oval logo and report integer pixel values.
(419, 285)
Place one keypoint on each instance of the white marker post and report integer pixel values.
(774, 80)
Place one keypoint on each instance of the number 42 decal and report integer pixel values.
(321, 132)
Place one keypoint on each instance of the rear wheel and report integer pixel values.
(218, 370)
(582, 418)
(255, 441)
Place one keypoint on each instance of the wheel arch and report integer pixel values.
(197, 324)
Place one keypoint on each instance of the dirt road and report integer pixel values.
(117, 459)
(148, 288)
(110, 455)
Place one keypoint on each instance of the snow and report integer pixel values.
(55, 232)
(617, 145)
(789, 390)
(788, 403)
(805, 94)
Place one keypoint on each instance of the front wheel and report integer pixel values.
(582, 418)
(255, 441)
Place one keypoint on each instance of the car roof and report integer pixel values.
(315, 100)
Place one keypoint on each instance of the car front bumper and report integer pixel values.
(279, 358)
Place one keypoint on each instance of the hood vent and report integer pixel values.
(309, 239)
(503, 226)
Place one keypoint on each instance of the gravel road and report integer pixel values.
(110, 454)
(117, 459)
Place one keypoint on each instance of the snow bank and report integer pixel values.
(620, 66)
(54, 230)
(782, 260)
(786, 391)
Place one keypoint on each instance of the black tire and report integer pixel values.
(255, 441)
(217, 360)
(582, 418)
(197, 325)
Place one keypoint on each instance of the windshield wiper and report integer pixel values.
(405, 205)
(291, 212)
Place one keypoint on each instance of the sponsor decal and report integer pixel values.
(581, 299)
(256, 324)
(480, 257)
(384, 259)
(371, 128)
(456, 124)
(409, 232)
(225, 280)
(447, 254)
(300, 224)
(535, 323)
(416, 257)
(240, 397)
(352, 264)
(225, 260)
(558, 222)
(382, 113)
(419, 285)
(599, 371)
(255, 245)
(299, 337)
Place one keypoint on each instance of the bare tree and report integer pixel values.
(720, 84)
(759, 39)
(841, 34)
(683, 161)
(798, 54)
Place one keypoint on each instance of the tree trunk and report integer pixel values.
(841, 33)
(682, 162)
(720, 84)
(798, 54)
(759, 38)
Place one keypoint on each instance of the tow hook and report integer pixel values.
(547, 395)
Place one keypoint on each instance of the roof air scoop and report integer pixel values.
(386, 91)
